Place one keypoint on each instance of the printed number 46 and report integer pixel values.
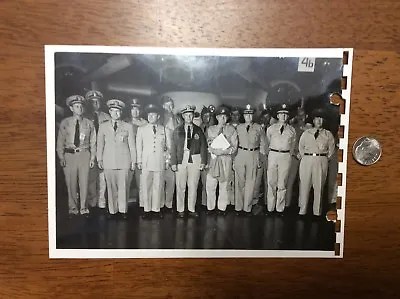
(307, 62)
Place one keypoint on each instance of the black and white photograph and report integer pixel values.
(191, 152)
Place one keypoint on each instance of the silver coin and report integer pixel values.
(367, 150)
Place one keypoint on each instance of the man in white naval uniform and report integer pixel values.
(153, 144)
(247, 161)
(117, 156)
(221, 161)
(316, 147)
(137, 121)
(281, 141)
(97, 179)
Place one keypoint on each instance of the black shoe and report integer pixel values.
(248, 214)
(146, 215)
(210, 212)
(222, 213)
(110, 216)
(124, 215)
(181, 215)
(160, 215)
(280, 214)
(194, 214)
(238, 213)
(268, 213)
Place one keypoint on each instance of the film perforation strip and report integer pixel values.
(342, 152)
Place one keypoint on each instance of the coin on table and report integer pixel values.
(367, 150)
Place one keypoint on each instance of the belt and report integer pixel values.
(249, 149)
(315, 155)
(278, 151)
(75, 150)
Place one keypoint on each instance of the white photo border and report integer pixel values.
(50, 50)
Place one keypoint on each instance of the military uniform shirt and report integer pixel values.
(230, 134)
(253, 138)
(66, 135)
(283, 142)
(324, 144)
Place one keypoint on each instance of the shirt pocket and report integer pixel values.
(122, 137)
(84, 133)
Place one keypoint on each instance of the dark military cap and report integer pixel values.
(235, 110)
(248, 110)
(319, 112)
(115, 103)
(74, 100)
(222, 110)
(93, 94)
(283, 109)
(151, 108)
(135, 103)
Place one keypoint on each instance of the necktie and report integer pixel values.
(154, 129)
(248, 128)
(115, 127)
(96, 122)
(316, 134)
(189, 137)
(76, 137)
(282, 129)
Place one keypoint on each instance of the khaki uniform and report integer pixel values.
(135, 124)
(220, 170)
(171, 122)
(281, 148)
(77, 162)
(313, 169)
(294, 166)
(261, 174)
(246, 163)
(97, 179)
(117, 151)
(203, 174)
(152, 153)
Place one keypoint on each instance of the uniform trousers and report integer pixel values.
(332, 177)
(77, 170)
(97, 187)
(169, 182)
(117, 185)
(203, 177)
(231, 189)
(212, 182)
(135, 175)
(278, 173)
(245, 167)
(152, 190)
(293, 172)
(187, 174)
(313, 172)
(262, 177)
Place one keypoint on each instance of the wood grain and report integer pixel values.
(370, 265)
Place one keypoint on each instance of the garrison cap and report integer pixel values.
(115, 103)
(74, 99)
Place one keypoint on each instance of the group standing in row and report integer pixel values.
(166, 154)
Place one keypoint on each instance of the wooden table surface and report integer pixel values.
(371, 263)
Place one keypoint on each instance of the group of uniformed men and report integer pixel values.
(166, 153)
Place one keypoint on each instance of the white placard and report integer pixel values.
(306, 64)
